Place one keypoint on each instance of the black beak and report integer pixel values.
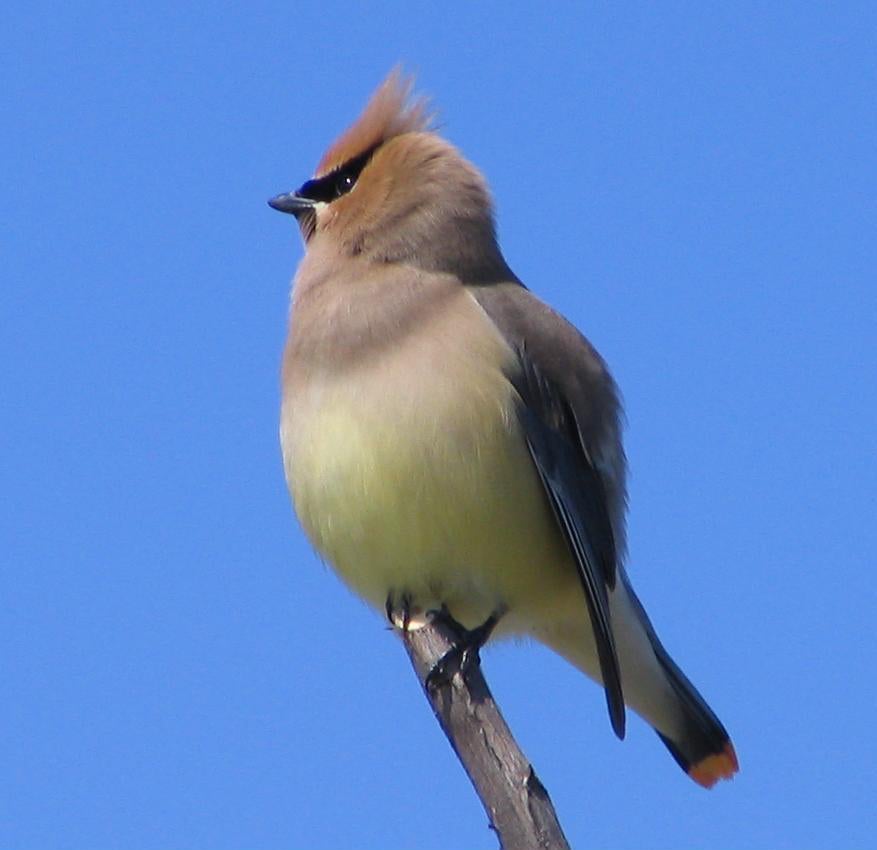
(292, 203)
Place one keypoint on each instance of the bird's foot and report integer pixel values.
(403, 614)
(464, 655)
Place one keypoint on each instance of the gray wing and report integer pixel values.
(568, 404)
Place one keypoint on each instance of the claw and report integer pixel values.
(389, 607)
(399, 614)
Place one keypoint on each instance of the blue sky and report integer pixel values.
(692, 184)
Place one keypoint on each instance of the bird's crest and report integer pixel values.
(390, 112)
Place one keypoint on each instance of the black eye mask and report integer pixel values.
(336, 183)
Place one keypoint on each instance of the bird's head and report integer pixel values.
(391, 190)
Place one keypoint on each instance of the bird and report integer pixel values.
(451, 444)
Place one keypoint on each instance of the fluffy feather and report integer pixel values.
(390, 112)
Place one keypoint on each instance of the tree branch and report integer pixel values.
(516, 802)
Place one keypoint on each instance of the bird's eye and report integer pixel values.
(344, 182)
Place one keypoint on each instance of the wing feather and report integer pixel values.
(569, 413)
(575, 492)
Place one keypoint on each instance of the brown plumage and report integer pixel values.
(452, 441)
(391, 111)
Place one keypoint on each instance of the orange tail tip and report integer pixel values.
(721, 765)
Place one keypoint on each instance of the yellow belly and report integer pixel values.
(424, 488)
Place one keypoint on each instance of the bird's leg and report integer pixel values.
(464, 655)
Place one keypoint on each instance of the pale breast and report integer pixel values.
(408, 471)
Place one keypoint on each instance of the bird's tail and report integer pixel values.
(703, 749)
(699, 742)
(653, 685)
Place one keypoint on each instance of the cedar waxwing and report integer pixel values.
(450, 442)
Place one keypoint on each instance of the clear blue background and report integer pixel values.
(692, 184)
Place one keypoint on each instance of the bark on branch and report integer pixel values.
(516, 802)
